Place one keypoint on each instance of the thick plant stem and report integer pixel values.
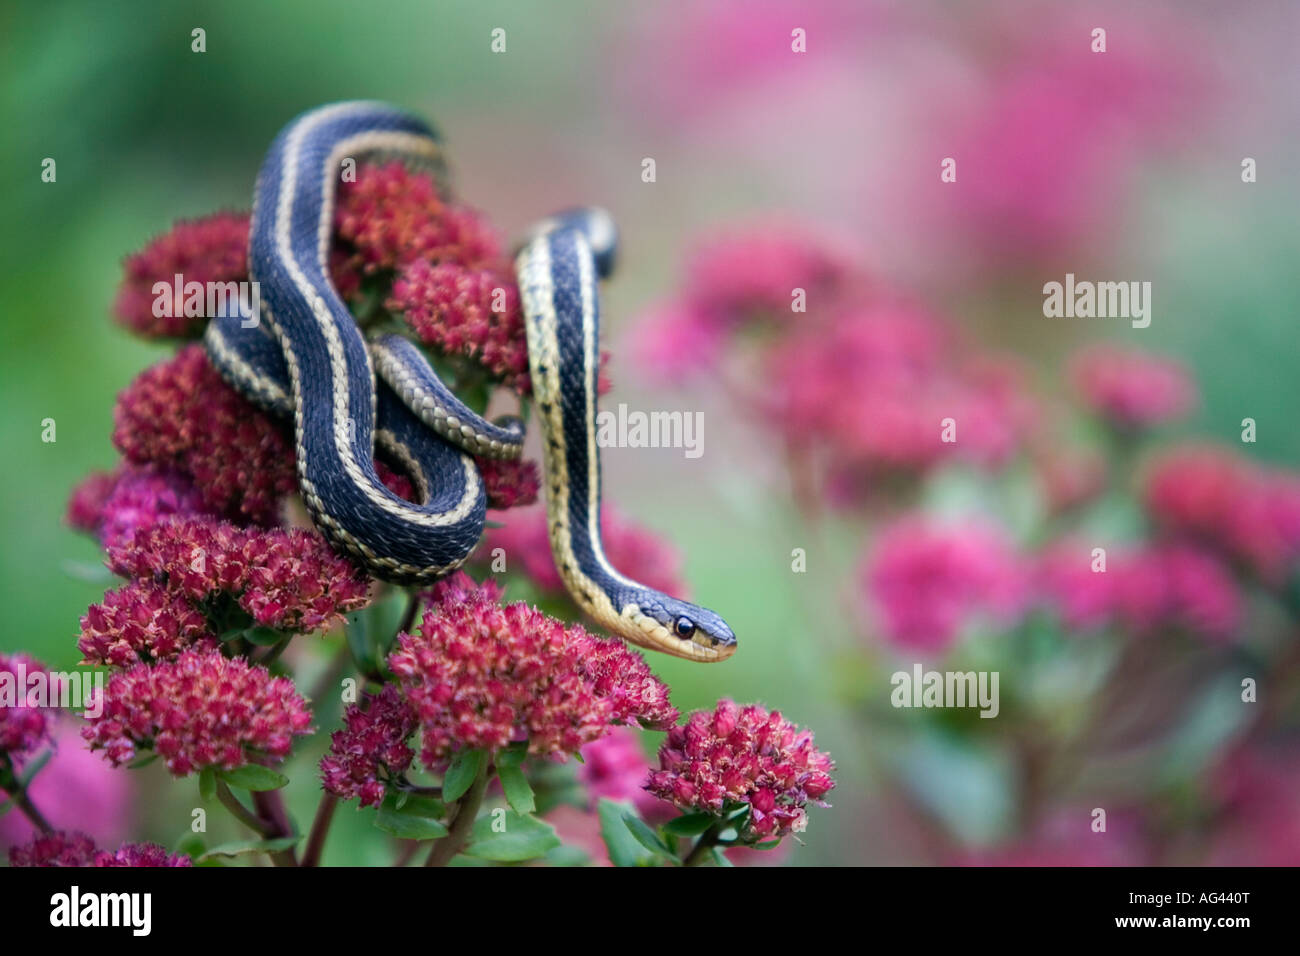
(239, 811)
(466, 810)
(24, 803)
(319, 829)
(270, 806)
(701, 854)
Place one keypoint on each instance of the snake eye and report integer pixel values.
(685, 628)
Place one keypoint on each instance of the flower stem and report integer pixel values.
(17, 790)
(241, 812)
(319, 829)
(270, 806)
(466, 810)
(701, 854)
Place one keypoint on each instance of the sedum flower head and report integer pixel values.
(211, 249)
(199, 709)
(465, 311)
(23, 728)
(73, 848)
(181, 415)
(288, 579)
(372, 746)
(1131, 390)
(483, 675)
(392, 215)
(509, 484)
(747, 755)
(929, 582)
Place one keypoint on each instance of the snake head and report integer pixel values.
(678, 628)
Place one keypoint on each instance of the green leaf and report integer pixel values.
(767, 845)
(461, 774)
(142, 761)
(254, 777)
(623, 848)
(646, 836)
(518, 791)
(720, 857)
(208, 783)
(263, 636)
(505, 837)
(415, 819)
(242, 847)
(514, 755)
(32, 769)
(356, 629)
(689, 824)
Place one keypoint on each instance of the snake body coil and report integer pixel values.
(316, 367)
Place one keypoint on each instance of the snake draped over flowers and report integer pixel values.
(303, 358)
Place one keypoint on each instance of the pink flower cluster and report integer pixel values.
(1132, 390)
(371, 748)
(615, 768)
(196, 710)
(212, 249)
(927, 583)
(633, 549)
(1248, 513)
(289, 580)
(73, 848)
(22, 728)
(747, 755)
(180, 415)
(1167, 585)
(920, 397)
(113, 506)
(483, 675)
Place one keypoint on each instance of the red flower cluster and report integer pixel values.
(509, 484)
(212, 249)
(289, 580)
(181, 415)
(744, 755)
(482, 675)
(198, 710)
(23, 728)
(1132, 390)
(373, 742)
(73, 848)
(1249, 513)
(633, 549)
(466, 311)
(391, 216)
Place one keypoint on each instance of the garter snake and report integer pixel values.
(306, 359)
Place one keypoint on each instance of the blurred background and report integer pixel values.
(1122, 165)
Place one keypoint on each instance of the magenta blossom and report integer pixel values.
(372, 747)
(747, 755)
(483, 675)
(928, 583)
(73, 848)
(198, 710)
